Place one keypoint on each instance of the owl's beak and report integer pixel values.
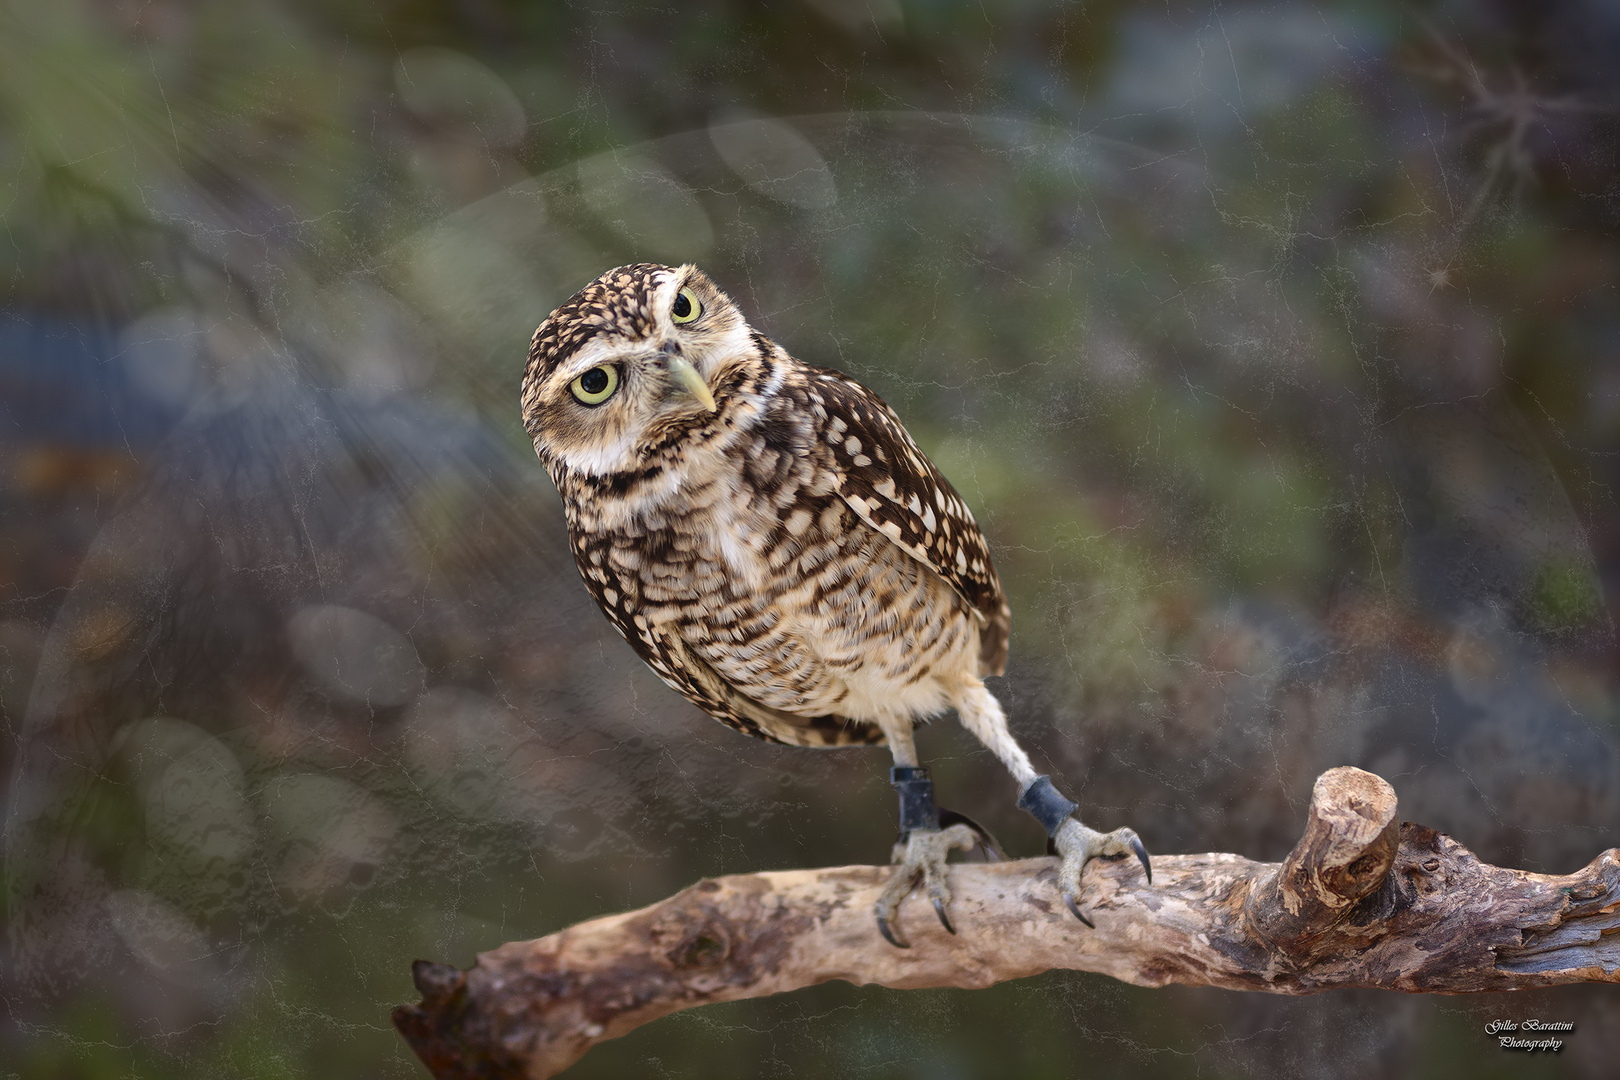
(687, 378)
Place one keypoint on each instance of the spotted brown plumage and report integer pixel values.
(772, 541)
(893, 487)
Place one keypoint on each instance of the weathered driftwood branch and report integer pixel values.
(1360, 902)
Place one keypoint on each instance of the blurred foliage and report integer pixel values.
(1273, 345)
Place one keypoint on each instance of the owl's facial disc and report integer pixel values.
(632, 362)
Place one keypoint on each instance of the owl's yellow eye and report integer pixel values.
(596, 385)
(686, 307)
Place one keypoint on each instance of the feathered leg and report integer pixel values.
(1075, 843)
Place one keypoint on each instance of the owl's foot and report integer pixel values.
(1074, 843)
(1077, 844)
(990, 849)
(921, 858)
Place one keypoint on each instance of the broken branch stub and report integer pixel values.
(1346, 852)
(1359, 902)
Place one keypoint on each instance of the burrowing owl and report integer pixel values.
(769, 538)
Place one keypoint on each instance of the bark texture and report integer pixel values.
(1361, 901)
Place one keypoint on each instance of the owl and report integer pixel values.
(769, 538)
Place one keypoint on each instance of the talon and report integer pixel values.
(922, 862)
(1074, 909)
(888, 935)
(1142, 855)
(993, 851)
(1077, 845)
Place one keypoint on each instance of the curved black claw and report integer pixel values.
(993, 851)
(1141, 853)
(888, 935)
(921, 860)
(944, 920)
(1074, 909)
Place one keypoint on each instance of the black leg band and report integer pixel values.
(917, 809)
(1046, 804)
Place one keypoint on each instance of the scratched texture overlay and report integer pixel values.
(1276, 347)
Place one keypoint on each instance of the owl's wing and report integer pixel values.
(895, 489)
(671, 660)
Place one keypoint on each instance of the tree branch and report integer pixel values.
(1359, 902)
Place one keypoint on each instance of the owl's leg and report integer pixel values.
(923, 845)
(1073, 842)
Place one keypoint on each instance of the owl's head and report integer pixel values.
(625, 363)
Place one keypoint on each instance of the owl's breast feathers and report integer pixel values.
(764, 477)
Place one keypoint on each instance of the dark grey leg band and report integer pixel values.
(1046, 804)
(917, 809)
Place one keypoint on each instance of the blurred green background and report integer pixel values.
(1275, 346)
